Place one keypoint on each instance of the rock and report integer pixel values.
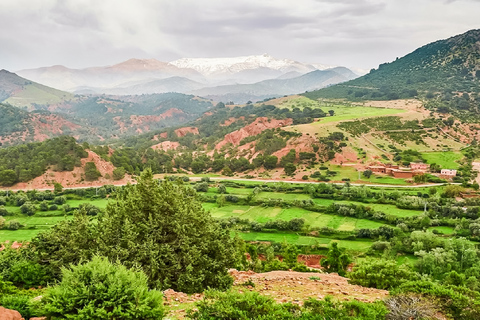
(7, 314)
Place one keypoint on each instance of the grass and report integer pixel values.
(291, 238)
(343, 113)
(386, 208)
(351, 173)
(19, 235)
(313, 219)
(442, 229)
(447, 160)
(283, 196)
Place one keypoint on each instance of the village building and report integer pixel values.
(419, 166)
(448, 173)
(404, 174)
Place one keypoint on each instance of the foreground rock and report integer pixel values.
(7, 314)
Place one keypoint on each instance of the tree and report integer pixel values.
(8, 177)
(367, 173)
(270, 162)
(101, 290)
(380, 274)
(28, 208)
(57, 187)
(288, 158)
(165, 231)
(290, 169)
(91, 171)
(222, 189)
(118, 173)
(43, 206)
(201, 187)
(337, 260)
(67, 242)
(331, 112)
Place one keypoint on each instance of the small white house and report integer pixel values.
(448, 173)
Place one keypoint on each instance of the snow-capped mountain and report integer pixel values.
(212, 66)
(209, 76)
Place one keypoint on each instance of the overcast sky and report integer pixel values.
(352, 33)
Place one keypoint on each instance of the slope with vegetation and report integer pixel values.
(446, 73)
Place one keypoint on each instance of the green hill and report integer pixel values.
(446, 72)
(21, 92)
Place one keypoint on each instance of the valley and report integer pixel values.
(244, 187)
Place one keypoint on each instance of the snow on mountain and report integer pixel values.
(211, 66)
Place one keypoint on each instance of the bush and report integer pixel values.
(380, 274)
(101, 290)
(251, 305)
(13, 225)
(232, 305)
(60, 200)
(3, 211)
(201, 187)
(28, 208)
(119, 173)
(21, 303)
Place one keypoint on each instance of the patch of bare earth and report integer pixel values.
(258, 126)
(166, 145)
(181, 132)
(75, 178)
(283, 286)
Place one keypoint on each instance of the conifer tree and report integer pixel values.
(164, 230)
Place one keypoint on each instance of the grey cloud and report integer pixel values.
(361, 33)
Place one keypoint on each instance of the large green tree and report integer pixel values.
(163, 229)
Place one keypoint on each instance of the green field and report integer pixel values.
(442, 229)
(447, 160)
(40, 222)
(313, 219)
(290, 238)
(386, 208)
(343, 113)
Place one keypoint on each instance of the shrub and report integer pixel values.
(28, 208)
(380, 274)
(20, 302)
(232, 305)
(3, 211)
(101, 290)
(13, 225)
(118, 173)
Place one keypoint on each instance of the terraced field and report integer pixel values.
(313, 219)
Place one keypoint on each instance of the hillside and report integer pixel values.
(21, 92)
(93, 118)
(440, 71)
(241, 93)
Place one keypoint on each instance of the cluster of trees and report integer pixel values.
(28, 161)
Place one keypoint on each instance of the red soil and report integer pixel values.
(73, 179)
(181, 132)
(258, 126)
(166, 145)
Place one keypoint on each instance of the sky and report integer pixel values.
(353, 33)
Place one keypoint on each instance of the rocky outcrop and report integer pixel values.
(258, 126)
(181, 132)
(7, 314)
(166, 145)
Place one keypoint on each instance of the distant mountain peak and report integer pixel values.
(135, 64)
(209, 66)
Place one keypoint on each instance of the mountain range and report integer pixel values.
(221, 78)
